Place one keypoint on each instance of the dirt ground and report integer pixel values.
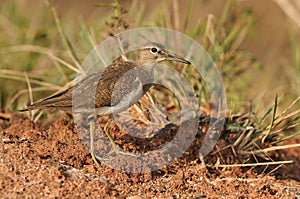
(50, 161)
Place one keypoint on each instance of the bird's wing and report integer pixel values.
(95, 89)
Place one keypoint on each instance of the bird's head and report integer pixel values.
(155, 53)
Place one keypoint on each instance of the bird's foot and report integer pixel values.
(97, 159)
(117, 150)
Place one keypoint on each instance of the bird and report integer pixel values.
(112, 89)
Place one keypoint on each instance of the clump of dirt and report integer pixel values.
(51, 161)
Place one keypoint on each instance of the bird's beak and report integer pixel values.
(176, 58)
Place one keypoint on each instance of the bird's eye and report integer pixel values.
(153, 50)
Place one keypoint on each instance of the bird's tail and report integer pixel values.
(60, 101)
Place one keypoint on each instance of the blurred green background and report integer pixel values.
(255, 44)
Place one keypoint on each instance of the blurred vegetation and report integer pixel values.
(294, 81)
(50, 48)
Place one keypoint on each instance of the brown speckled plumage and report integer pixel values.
(110, 83)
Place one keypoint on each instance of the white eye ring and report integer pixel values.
(154, 50)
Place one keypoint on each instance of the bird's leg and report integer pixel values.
(116, 148)
(92, 147)
(95, 157)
